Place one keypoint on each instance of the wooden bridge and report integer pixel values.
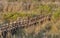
(6, 30)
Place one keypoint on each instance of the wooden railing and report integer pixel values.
(21, 23)
(26, 21)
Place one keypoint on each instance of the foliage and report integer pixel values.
(56, 14)
(13, 16)
(10, 16)
(45, 9)
(36, 8)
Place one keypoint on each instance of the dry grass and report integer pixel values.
(20, 9)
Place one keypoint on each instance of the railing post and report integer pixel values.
(9, 34)
(1, 33)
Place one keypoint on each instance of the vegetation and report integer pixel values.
(56, 14)
(23, 8)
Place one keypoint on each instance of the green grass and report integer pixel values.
(44, 9)
(56, 14)
(14, 16)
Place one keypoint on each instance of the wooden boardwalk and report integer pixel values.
(7, 30)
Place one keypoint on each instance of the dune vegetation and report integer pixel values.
(12, 9)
